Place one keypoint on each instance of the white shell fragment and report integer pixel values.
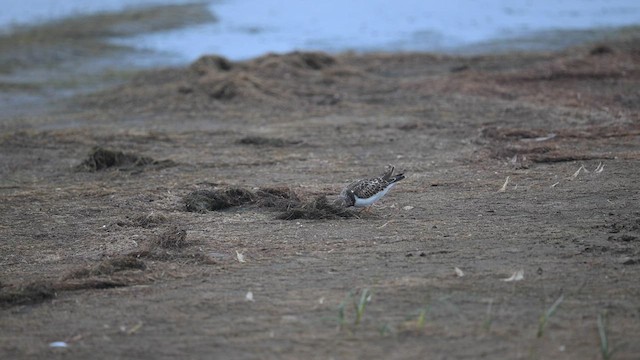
(599, 168)
(575, 174)
(58, 344)
(517, 276)
(504, 186)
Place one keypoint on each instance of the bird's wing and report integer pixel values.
(366, 188)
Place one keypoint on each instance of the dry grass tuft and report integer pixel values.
(92, 283)
(173, 238)
(102, 159)
(235, 85)
(211, 63)
(318, 208)
(211, 200)
(171, 245)
(278, 198)
(31, 293)
(265, 141)
(91, 277)
(107, 267)
(150, 220)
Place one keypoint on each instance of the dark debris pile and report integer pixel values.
(282, 199)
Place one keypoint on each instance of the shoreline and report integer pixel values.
(60, 59)
(47, 67)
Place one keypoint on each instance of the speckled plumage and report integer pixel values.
(365, 192)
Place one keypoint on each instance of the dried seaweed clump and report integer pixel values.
(295, 60)
(173, 238)
(317, 209)
(108, 267)
(280, 198)
(120, 263)
(89, 277)
(100, 159)
(233, 85)
(209, 63)
(314, 60)
(31, 293)
(170, 245)
(277, 197)
(265, 141)
(211, 200)
(150, 220)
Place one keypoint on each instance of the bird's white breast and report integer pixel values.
(370, 200)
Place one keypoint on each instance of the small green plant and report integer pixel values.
(488, 320)
(385, 329)
(359, 307)
(605, 349)
(422, 318)
(604, 342)
(341, 316)
(547, 314)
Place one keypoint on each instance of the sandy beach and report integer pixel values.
(516, 234)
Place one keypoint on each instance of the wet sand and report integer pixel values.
(515, 162)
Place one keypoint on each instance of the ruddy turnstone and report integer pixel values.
(365, 192)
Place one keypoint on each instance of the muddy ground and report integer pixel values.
(100, 251)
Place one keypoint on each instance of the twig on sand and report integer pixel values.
(575, 174)
(504, 186)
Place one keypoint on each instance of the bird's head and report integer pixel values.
(346, 198)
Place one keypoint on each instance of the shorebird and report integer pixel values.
(363, 193)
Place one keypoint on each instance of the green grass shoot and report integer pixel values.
(547, 314)
(421, 321)
(361, 305)
(488, 319)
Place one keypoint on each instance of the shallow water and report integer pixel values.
(249, 28)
